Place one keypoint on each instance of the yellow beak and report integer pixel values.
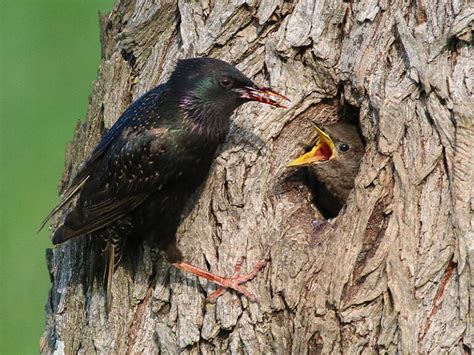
(322, 151)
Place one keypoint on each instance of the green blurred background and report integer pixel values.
(49, 56)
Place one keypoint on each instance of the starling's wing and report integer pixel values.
(124, 179)
(68, 195)
(77, 224)
(128, 119)
(120, 184)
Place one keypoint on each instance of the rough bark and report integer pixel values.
(392, 273)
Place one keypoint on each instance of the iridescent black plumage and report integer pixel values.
(138, 178)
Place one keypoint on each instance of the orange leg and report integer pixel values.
(234, 282)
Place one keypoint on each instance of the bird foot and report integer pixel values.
(234, 282)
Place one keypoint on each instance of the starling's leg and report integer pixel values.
(233, 282)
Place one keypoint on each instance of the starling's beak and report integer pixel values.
(322, 151)
(265, 95)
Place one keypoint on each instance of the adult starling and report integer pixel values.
(139, 177)
(332, 164)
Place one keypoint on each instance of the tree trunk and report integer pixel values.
(393, 271)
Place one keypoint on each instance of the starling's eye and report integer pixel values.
(225, 82)
(343, 147)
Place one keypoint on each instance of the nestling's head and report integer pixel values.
(349, 146)
(340, 142)
(210, 88)
(335, 157)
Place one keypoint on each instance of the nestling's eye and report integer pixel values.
(343, 147)
(225, 82)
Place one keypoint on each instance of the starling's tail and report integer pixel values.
(108, 274)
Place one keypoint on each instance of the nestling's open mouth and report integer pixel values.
(322, 151)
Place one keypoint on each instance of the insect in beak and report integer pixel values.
(262, 94)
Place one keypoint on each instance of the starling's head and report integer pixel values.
(211, 89)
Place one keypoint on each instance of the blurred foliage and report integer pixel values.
(49, 55)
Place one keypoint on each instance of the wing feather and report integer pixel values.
(96, 159)
(68, 196)
(74, 226)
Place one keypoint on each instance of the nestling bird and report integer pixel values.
(140, 175)
(333, 163)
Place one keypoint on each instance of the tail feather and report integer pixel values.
(108, 274)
